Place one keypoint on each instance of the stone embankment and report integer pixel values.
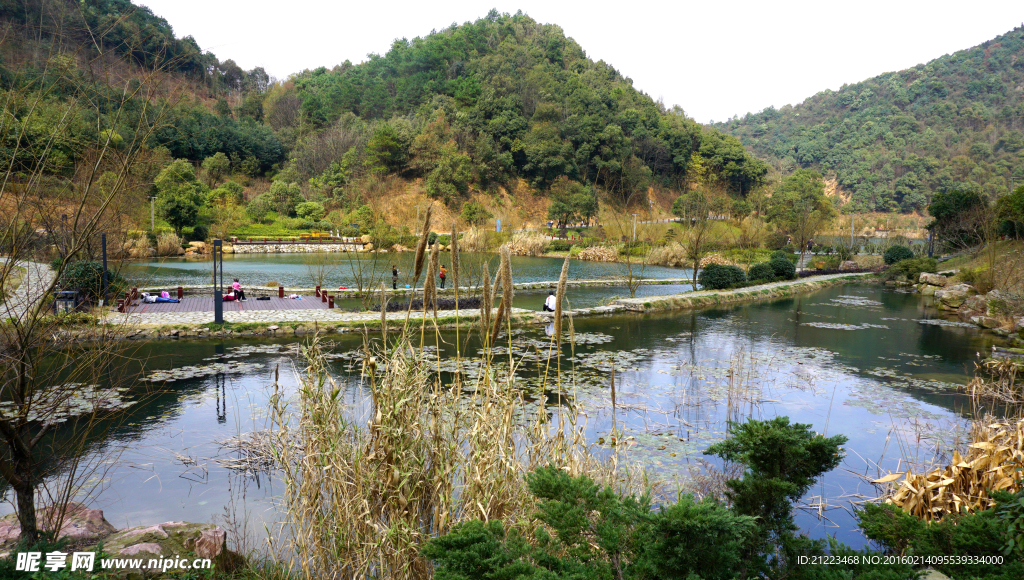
(85, 528)
(993, 311)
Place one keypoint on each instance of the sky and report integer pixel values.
(713, 59)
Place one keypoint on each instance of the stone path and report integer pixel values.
(38, 279)
(324, 315)
(318, 315)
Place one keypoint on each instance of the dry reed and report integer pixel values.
(991, 462)
(362, 501)
(563, 280)
(168, 245)
(421, 247)
(456, 261)
(487, 303)
(505, 306)
(996, 378)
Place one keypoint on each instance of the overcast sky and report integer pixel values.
(714, 59)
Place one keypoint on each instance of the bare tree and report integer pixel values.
(49, 384)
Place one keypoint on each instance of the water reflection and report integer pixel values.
(855, 359)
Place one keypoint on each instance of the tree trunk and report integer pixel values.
(26, 502)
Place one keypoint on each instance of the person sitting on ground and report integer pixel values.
(237, 289)
(229, 297)
(549, 304)
(443, 274)
(394, 276)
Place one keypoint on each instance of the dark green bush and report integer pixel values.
(717, 277)
(911, 269)
(197, 233)
(896, 254)
(762, 271)
(784, 269)
(87, 277)
(978, 534)
(783, 255)
(559, 246)
(599, 535)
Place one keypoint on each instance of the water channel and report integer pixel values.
(877, 365)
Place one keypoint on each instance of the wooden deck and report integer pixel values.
(205, 304)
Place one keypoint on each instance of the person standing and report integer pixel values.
(394, 276)
(443, 274)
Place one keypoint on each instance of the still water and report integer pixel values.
(876, 365)
(300, 270)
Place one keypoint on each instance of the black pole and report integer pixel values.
(106, 283)
(218, 299)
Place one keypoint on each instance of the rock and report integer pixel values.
(989, 322)
(228, 249)
(933, 279)
(171, 539)
(148, 548)
(848, 265)
(365, 238)
(273, 327)
(80, 523)
(300, 330)
(367, 247)
(975, 304)
(180, 251)
(930, 574)
(952, 297)
(928, 290)
(199, 246)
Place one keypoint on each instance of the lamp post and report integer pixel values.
(634, 226)
(218, 285)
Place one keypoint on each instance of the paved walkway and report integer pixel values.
(37, 281)
(335, 315)
(309, 315)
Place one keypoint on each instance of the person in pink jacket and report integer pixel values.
(237, 288)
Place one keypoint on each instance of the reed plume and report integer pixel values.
(421, 248)
(505, 276)
(563, 279)
(429, 285)
(455, 262)
(486, 303)
(433, 271)
(383, 311)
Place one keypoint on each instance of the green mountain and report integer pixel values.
(893, 140)
(501, 98)
(63, 64)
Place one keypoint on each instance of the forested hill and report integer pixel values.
(503, 97)
(893, 140)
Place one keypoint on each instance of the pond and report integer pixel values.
(874, 364)
(297, 270)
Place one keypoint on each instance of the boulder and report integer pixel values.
(928, 290)
(848, 265)
(199, 246)
(171, 539)
(975, 304)
(368, 247)
(952, 297)
(365, 239)
(80, 523)
(933, 279)
(986, 321)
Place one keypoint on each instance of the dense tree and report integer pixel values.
(893, 140)
(571, 202)
(179, 195)
(959, 218)
(799, 206)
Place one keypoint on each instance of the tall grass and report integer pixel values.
(364, 494)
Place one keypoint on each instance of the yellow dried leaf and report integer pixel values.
(888, 478)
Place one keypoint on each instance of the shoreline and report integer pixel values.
(291, 322)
